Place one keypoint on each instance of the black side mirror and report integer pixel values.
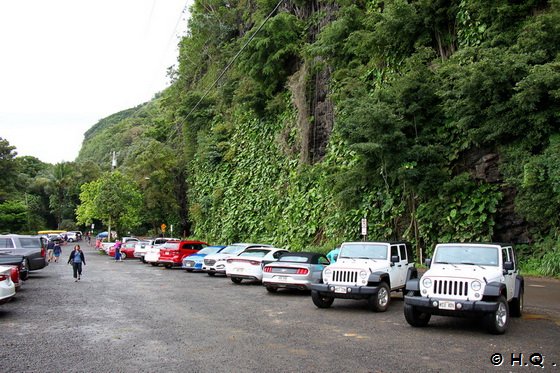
(508, 266)
(395, 259)
(428, 262)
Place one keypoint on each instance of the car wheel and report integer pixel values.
(321, 301)
(188, 270)
(154, 264)
(415, 317)
(123, 256)
(380, 302)
(271, 289)
(211, 274)
(168, 266)
(27, 265)
(236, 280)
(516, 305)
(498, 321)
(70, 240)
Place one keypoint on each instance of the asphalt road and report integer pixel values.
(132, 317)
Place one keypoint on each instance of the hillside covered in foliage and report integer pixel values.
(288, 121)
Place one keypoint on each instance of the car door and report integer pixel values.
(509, 276)
(6, 245)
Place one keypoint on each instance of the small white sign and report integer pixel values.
(364, 227)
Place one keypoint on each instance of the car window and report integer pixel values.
(363, 250)
(6, 243)
(394, 251)
(278, 254)
(512, 257)
(323, 260)
(402, 249)
(257, 253)
(294, 258)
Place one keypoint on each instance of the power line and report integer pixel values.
(227, 67)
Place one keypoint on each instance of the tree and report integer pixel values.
(7, 169)
(113, 199)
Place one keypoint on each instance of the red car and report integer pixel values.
(127, 250)
(173, 252)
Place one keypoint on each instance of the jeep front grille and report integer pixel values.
(209, 262)
(451, 287)
(347, 277)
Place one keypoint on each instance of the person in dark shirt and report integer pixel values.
(77, 258)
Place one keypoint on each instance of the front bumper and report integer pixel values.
(431, 305)
(345, 291)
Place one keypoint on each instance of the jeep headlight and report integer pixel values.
(476, 285)
(427, 282)
(327, 272)
(363, 274)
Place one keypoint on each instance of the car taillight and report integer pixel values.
(302, 271)
(267, 269)
(3, 277)
(15, 275)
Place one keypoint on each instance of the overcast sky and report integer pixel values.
(65, 64)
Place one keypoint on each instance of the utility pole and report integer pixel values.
(113, 166)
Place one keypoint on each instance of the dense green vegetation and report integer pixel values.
(436, 120)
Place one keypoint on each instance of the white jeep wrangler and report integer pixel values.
(467, 279)
(366, 270)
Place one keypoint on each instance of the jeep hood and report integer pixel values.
(371, 264)
(464, 271)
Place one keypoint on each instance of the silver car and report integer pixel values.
(31, 247)
(294, 271)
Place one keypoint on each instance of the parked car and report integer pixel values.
(32, 248)
(17, 261)
(127, 250)
(468, 279)
(70, 236)
(216, 263)
(130, 239)
(140, 248)
(7, 286)
(294, 271)
(194, 262)
(171, 254)
(140, 252)
(249, 264)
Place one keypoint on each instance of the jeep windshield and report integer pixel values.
(363, 251)
(467, 255)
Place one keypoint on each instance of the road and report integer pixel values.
(132, 317)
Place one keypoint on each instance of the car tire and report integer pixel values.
(70, 240)
(123, 256)
(236, 280)
(498, 321)
(189, 270)
(168, 266)
(415, 317)
(211, 274)
(154, 264)
(27, 264)
(516, 305)
(271, 289)
(379, 302)
(321, 301)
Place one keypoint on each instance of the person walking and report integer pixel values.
(77, 258)
(57, 251)
(117, 247)
(50, 249)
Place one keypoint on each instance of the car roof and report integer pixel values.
(312, 256)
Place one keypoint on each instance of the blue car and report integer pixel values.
(194, 262)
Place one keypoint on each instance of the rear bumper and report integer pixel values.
(168, 262)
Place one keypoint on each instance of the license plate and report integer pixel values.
(238, 270)
(188, 264)
(443, 305)
(340, 289)
(281, 278)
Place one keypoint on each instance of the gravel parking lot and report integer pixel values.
(132, 317)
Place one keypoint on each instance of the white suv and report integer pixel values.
(467, 279)
(366, 270)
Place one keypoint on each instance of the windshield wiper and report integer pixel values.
(447, 263)
(472, 264)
